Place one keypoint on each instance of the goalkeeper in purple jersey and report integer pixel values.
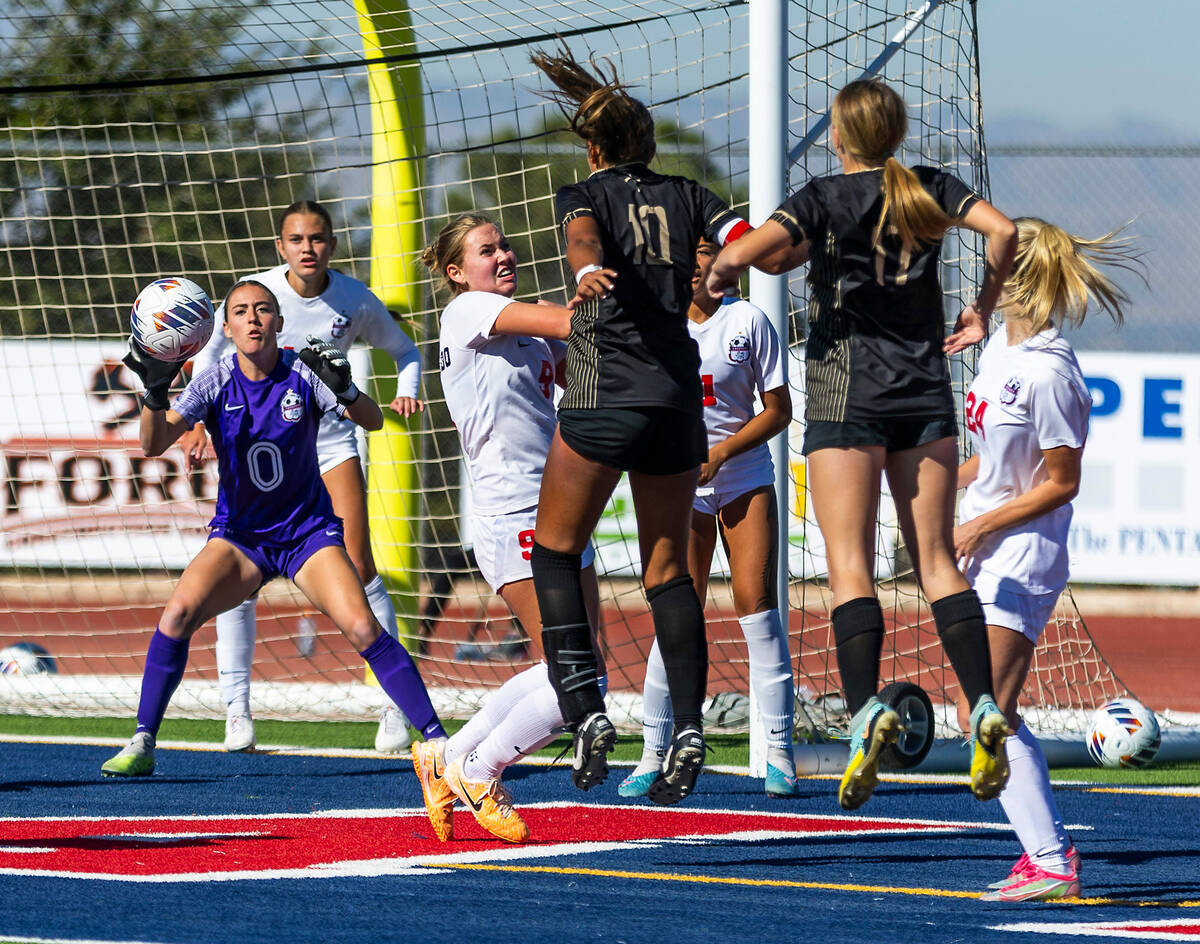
(274, 517)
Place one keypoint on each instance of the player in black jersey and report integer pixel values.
(632, 403)
(879, 401)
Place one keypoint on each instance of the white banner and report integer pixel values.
(78, 491)
(1137, 517)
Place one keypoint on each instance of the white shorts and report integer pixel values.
(733, 483)
(337, 441)
(502, 546)
(1024, 613)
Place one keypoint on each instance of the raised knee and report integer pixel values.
(179, 619)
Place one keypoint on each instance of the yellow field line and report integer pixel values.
(704, 879)
(781, 883)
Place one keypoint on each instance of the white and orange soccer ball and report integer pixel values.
(1123, 733)
(26, 658)
(172, 319)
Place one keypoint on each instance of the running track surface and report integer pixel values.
(275, 848)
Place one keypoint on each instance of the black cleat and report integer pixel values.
(593, 741)
(685, 759)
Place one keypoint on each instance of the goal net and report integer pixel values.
(146, 141)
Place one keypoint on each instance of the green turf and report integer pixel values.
(728, 749)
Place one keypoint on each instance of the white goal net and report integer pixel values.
(165, 138)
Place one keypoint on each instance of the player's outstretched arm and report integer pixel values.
(769, 245)
(366, 413)
(159, 429)
(331, 365)
(160, 426)
(534, 320)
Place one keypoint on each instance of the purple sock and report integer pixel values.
(166, 658)
(398, 676)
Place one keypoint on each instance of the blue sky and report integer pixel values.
(1094, 70)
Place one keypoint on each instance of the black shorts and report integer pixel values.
(654, 440)
(894, 435)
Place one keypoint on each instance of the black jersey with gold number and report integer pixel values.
(876, 320)
(633, 347)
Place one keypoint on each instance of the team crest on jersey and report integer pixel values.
(1010, 391)
(291, 406)
(739, 348)
(339, 325)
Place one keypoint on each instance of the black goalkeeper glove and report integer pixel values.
(331, 365)
(157, 376)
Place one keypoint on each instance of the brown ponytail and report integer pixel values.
(599, 108)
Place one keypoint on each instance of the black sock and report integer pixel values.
(566, 633)
(858, 633)
(963, 631)
(679, 627)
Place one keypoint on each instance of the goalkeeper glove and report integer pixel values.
(157, 376)
(331, 365)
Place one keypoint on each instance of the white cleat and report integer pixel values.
(239, 732)
(393, 735)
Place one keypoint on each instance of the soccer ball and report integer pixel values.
(172, 319)
(26, 658)
(1123, 733)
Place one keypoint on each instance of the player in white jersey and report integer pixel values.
(338, 309)
(739, 358)
(499, 360)
(1027, 415)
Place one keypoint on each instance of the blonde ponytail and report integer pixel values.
(1056, 274)
(908, 209)
(872, 123)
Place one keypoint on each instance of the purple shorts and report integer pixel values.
(286, 559)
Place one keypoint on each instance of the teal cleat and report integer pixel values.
(873, 728)
(135, 760)
(637, 785)
(780, 785)
(989, 758)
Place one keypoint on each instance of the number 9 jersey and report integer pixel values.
(632, 348)
(499, 390)
(265, 435)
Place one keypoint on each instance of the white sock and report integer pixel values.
(385, 613)
(235, 653)
(657, 717)
(1029, 804)
(500, 703)
(381, 605)
(530, 726)
(771, 677)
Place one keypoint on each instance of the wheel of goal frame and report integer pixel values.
(916, 718)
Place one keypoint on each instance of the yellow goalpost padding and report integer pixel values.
(397, 135)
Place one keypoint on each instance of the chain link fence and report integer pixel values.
(1090, 190)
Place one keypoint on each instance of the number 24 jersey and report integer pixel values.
(1025, 398)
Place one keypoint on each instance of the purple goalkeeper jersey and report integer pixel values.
(264, 433)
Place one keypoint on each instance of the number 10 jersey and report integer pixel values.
(632, 348)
